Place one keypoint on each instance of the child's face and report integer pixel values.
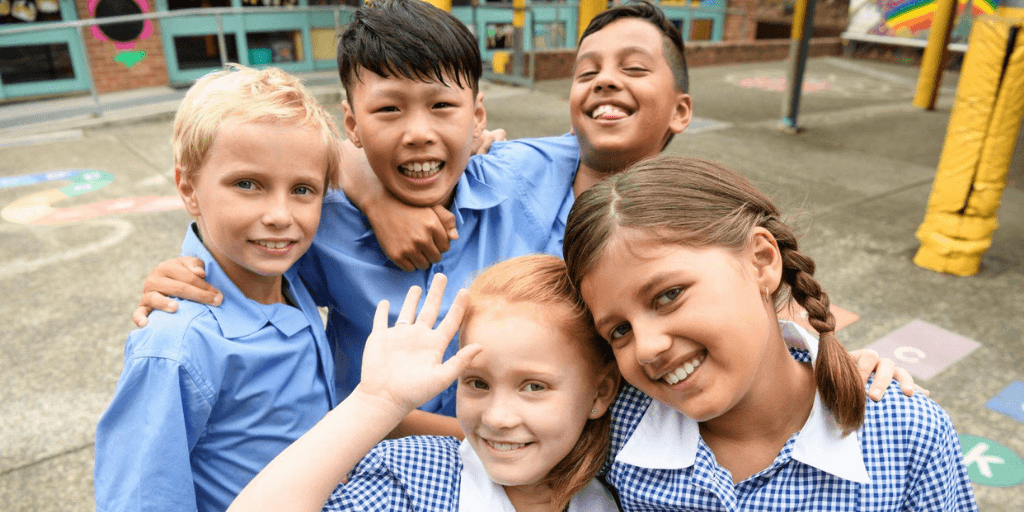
(525, 399)
(257, 197)
(678, 309)
(623, 102)
(417, 135)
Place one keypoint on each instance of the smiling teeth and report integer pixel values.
(680, 374)
(505, 447)
(608, 112)
(273, 245)
(421, 169)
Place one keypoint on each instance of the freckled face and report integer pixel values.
(687, 325)
(526, 397)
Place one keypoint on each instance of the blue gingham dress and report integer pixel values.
(909, 448)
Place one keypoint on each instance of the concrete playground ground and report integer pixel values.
(856, 181)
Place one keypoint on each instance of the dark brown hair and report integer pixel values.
(700, 203)
(543, 280)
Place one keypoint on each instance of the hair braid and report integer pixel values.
(835, 372)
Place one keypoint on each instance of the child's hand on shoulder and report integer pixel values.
(402, 365)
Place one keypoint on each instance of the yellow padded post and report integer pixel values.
(983, 128)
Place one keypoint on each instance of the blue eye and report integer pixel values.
(665, 298)
(245, 185)
(619, 331)
(303, 190)
(534, 387)
(478, 384)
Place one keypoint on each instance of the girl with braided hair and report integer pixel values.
(684, 266)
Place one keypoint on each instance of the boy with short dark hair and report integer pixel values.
(209, 396)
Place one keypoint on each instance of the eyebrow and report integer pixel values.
(625, 51)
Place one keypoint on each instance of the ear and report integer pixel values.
(682, 113)
(187, 191)
(766, 258)
(350, 124)
(479, 115)
(607, 388)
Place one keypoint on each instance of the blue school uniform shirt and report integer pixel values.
(210, 395)
(905, 457)
(508, 203)
(430, 473)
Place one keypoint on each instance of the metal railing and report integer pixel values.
(518, 77)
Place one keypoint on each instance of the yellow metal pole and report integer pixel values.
(444, 5)
(799, 44)
(589, 9)
(934, 59)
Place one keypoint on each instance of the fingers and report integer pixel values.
(380, 317)
(450, 323)
(432, 304)
(907, 383)
(883, 378)
(866, 360)
(447, 219)
(455, 365)
(499, 134)
(196, 265)
(408, 311)
(155, 300)
(140, 316)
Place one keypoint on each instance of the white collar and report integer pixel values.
(478, 492)
(666, 439)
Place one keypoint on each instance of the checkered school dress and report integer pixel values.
(428, 474)
(908, 445)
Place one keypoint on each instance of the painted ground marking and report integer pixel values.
(1009, 401)
(922, 348)
(990, 463)
(37, 208)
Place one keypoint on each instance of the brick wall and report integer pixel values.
(112, 76)
(776, 18)
(554, 64)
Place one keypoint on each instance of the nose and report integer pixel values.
(500, 414)
(419, 130)
(606, 81)
(277, 211)
(650, 343)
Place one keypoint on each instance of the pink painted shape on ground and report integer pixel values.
(923, 349)
(797, 314)
(102, 208)
(778, 84)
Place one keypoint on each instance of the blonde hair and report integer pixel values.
(248, 95)
(543, 280)
(700, 203)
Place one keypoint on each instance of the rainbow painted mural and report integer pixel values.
(912, 18)
(916, 15)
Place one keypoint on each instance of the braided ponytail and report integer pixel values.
(836, 374)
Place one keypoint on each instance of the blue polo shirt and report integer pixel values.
(210, 395)
(506, 204)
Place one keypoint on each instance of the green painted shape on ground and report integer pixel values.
(130, 59)
(990, 463)
(87, 181)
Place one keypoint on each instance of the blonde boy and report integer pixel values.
(208, 396)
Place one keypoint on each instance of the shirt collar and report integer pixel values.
(476, 490)
(470, 194)
(238, 315)
(666, 439)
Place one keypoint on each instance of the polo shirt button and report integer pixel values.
(438, 268)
